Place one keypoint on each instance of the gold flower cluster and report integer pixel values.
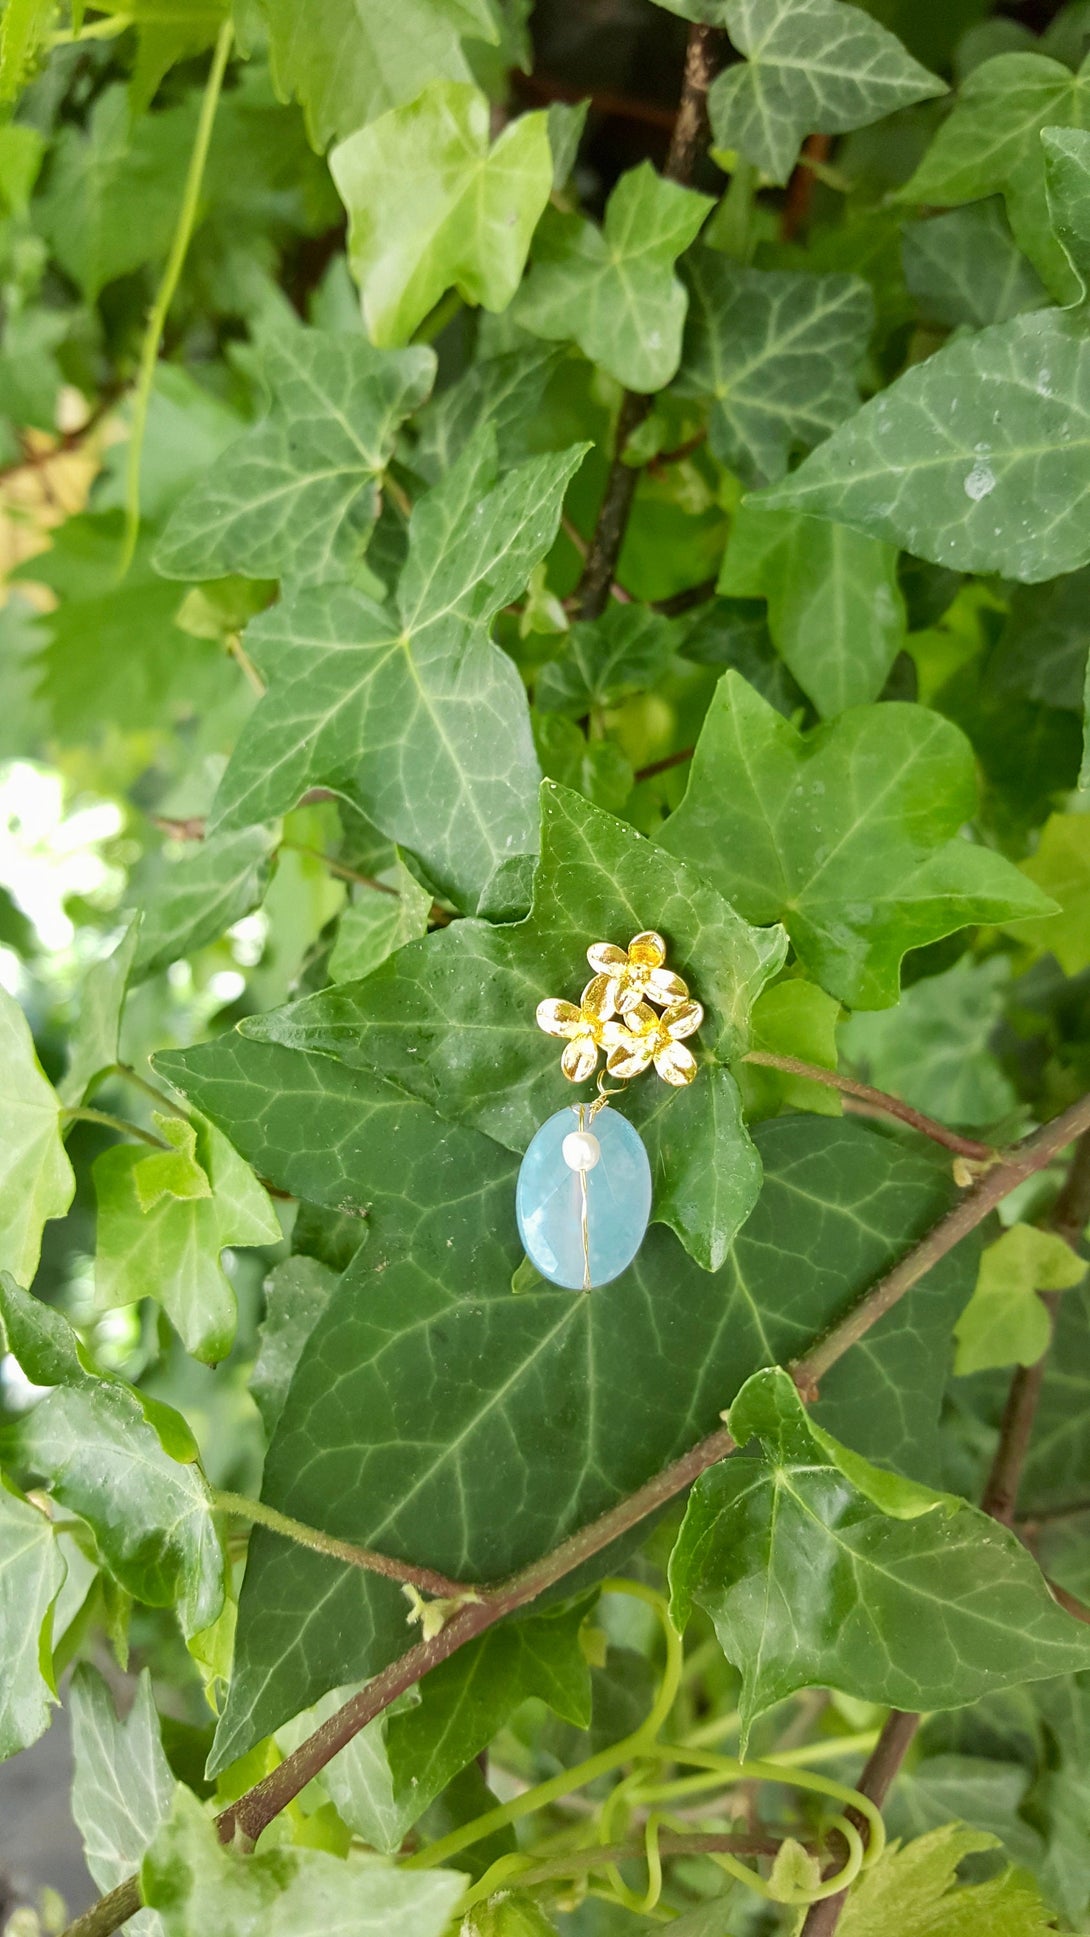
(619, 1012)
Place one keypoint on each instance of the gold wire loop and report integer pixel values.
(605, 1091)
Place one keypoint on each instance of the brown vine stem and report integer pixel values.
(878, 1100)
(260, 1515)
(689, 129)
(1069, 1218)
(243, 1821)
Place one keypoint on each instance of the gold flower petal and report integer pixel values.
(629, 1056)
(647, 950)
(606, 958)
(682, 1019)
(674, 1063)
(559, 1018)
(629, 997)
(580, 1058)
(641, 1020)
(600, 998)
(664, 986)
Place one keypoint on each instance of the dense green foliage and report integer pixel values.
(445, 522)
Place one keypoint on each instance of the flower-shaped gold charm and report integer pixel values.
(645, 1038)
(633, 975)
(584, 1029)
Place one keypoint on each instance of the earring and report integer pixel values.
(583, 1197)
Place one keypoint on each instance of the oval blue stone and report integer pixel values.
(549, 1201)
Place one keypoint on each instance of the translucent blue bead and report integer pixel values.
(569, 1248)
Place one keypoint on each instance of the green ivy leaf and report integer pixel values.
(197, 1885)
(966, 267)
(792, 1018)
(296, 1294)
(296, 498)
(349, 60)
(36, 1178)
(113, 656)
(31, 1577)
(109, 201)
(396, 1767)
(1005, 1322)
(105, 1456)
(1060, 868)
(597, 769)
(378, 922)
(975, 459)
(776, 354)
(1067, 182)
(613, 290)
(504, 1379)
(916, 1887)
(992, 141)
(872, 866)
(507, 389)
(810, 64)
(835, 608)
(1057, 1467)
(213, 883)
(94, 1044)
(432, 205)
(419, 720)
(23, 29)
(604, 661)
(1042, 652)
(933, 1048)
(451, 1019)
(163, 1222)
(122, 1789)
(910, 1598)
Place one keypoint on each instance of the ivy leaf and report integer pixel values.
(507, 389)
(109, 1459)
(432, 205)
(1005, 1322)
(93, 1048)
(197, 1885)
(597, 881)
(835, 608)
(777, 355)
(112, 654)
(992, 141)
(933, 1049)
(350, 60)
(419, 720)
(1058, 1462)
(614, 289)
(163, 1222)
(31, 1577)
(976, 459)
(965, 267)
(297, 496)
(36, 1178)
(872, 866)
(1067, 183)
(122, 1789)
(597, 769)
(425, 1318)
(109, 202)
(296, 1294)
(811, 64)
(165, 39)
(916, 1887)
(1042, 651)
(396, 1767)
(378, 922)
(606, 660)
(1061, 869)
(792, 1018)
(212, 884)
(910, 1598)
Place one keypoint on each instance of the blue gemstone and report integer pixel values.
(549, 1201)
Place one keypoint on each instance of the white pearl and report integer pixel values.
(581, 1150)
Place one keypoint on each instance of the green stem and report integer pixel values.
(106, 29)
(129, 1075)
(424, 1578)
(179, 248)
(119, 1123)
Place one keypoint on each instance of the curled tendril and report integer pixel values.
(638, 1790)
